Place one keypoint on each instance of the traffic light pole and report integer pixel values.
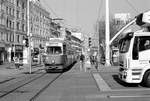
(29, 37)
(14, 44)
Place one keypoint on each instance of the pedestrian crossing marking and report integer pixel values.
(102, 85)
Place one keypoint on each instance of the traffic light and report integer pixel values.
(90, 42)
(26, 42)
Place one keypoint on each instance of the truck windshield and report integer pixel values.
(54, 50)
(124, 45)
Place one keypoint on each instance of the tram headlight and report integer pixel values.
(46, 58)
(53, 61)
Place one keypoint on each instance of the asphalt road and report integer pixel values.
(73, 85)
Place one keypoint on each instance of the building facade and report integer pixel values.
(55, 29)
(12, 28)
(39, 25)
(77, 42)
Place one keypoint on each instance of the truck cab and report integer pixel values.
(134, 58)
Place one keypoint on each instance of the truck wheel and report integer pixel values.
(147, 79)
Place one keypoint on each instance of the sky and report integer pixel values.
(83, 14)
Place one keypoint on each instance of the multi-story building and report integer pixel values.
(55, 29)
(39, 25)
(77, 42)
(12, 28)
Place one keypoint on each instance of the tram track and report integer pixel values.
(15, 86)
(44, 88)
(21, 87)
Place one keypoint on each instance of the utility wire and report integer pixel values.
(130, 4)
(50, 8)
(55, 13)
(99, 10)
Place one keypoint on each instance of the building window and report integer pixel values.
(18, 25)
(0, 36)
(7, 37)
(18, 38)
(23, 26)
(7, 10)
(22, 16)
(12, 37)
(4, 37)
(17, 2)
(10, 24)
(23, 5)
(17, 14)
(7, 23)
(13, 12)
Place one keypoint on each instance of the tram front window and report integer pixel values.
(54, 50)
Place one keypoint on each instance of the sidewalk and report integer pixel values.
(103, 68)
(9, 71)
(105, 77)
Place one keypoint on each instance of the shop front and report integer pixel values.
(17, 51)
(2, 52)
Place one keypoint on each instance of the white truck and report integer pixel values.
(134, 58)
(134, 52)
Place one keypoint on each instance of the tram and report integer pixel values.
(59, 55)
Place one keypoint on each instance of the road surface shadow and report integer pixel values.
(116, 78)
(61, 71)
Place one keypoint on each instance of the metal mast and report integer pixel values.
(107, 35)
(29, 36)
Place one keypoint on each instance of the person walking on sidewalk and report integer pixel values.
(82, 59)
(17, 62)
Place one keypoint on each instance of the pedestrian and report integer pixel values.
(82, 58)
(17, 64)
(92, 59)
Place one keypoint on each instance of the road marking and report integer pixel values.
(116, 96)
(134, 89)
(128, 96)
(102, 85)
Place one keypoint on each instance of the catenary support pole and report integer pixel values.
(107, 35)
(29, 36)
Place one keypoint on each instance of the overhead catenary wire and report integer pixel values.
(49, 7)
(130, 4)
(99, 10)
(55, 14)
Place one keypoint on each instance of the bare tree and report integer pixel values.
(115, 26)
